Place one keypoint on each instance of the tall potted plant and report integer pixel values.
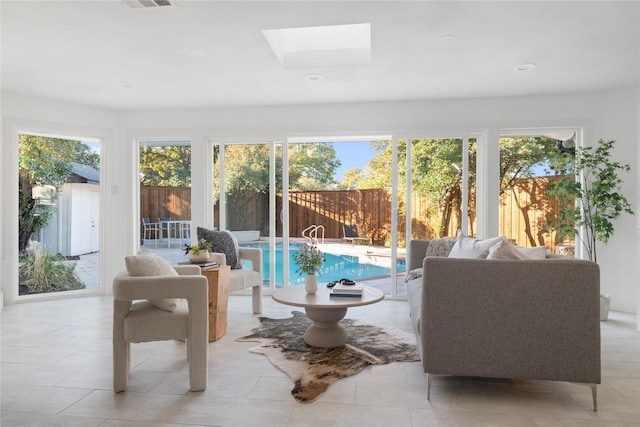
(591, 198)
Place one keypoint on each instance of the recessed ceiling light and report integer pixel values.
(527, 66)
(195, 52)
(314, 77)
(126, 85)
(446, 38)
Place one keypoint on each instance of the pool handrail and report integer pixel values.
(313, 233)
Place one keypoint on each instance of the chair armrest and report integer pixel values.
(255, 256)
(129, 288)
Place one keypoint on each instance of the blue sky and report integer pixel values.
(352, 155)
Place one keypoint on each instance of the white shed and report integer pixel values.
(74, 228)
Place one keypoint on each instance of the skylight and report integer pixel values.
(324, 46)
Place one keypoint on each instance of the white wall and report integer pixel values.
(610, 115)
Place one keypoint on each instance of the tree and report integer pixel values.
(44, 161)
(595, 186)
(168, 166)
(351, 179)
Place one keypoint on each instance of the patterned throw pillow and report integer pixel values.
(224, 242)
(440, 247)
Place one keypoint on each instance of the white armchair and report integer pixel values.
(140, 321)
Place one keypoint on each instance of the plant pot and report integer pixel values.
(201, 257)
(311, 284)
(605, 303)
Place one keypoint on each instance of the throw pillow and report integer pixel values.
(224, 242)
(150, 264)
(440, 247)
(468, 247)
(506, 250)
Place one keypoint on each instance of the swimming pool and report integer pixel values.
(335, 267)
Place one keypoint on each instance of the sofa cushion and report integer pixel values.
(507, 250)
(468, 247)
(224, 242)
(150, 264)
(440, 247)
(414, 296)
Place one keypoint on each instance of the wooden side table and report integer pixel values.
(218, 279)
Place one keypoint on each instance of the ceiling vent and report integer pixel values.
(137, 4)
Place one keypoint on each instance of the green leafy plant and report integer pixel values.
(309, 259)
(42, 272)
(202, 245)
(592, 200)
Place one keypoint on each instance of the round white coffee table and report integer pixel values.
(325, 312)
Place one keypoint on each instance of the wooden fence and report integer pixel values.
(524, 211)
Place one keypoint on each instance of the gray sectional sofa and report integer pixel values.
(521, 319)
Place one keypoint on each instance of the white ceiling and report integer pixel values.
(201, 54)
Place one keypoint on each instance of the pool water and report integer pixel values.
(335, 267)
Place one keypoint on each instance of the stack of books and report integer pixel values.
(202, 264)
(347, 291)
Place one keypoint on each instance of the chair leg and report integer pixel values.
(197, 349)
(256, 293)
(121, 365)
(428, 386)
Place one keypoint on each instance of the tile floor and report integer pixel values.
(56, 371)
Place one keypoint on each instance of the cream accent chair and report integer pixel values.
(140, 321)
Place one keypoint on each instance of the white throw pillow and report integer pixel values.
(506, 250)
(150, 264)
(468, 247)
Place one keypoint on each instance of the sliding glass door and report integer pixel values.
(244, 198)
(165, 197)
(436, 188)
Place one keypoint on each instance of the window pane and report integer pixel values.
(527, 166)
(59, 214)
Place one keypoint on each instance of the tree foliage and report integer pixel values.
(45, 161)
(311, 167)
(595, 186)
(166, 166)
(436, 171)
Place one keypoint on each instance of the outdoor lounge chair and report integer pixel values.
(350, 234)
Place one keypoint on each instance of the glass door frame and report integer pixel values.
(9, 155)
(222, 143)
(481, 138)
(550, 130)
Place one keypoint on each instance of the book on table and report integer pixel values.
(354, 291)
(203, 264)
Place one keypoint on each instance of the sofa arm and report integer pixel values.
(417, 249)
(511, 319)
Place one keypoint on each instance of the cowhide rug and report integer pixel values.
(314, 369)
